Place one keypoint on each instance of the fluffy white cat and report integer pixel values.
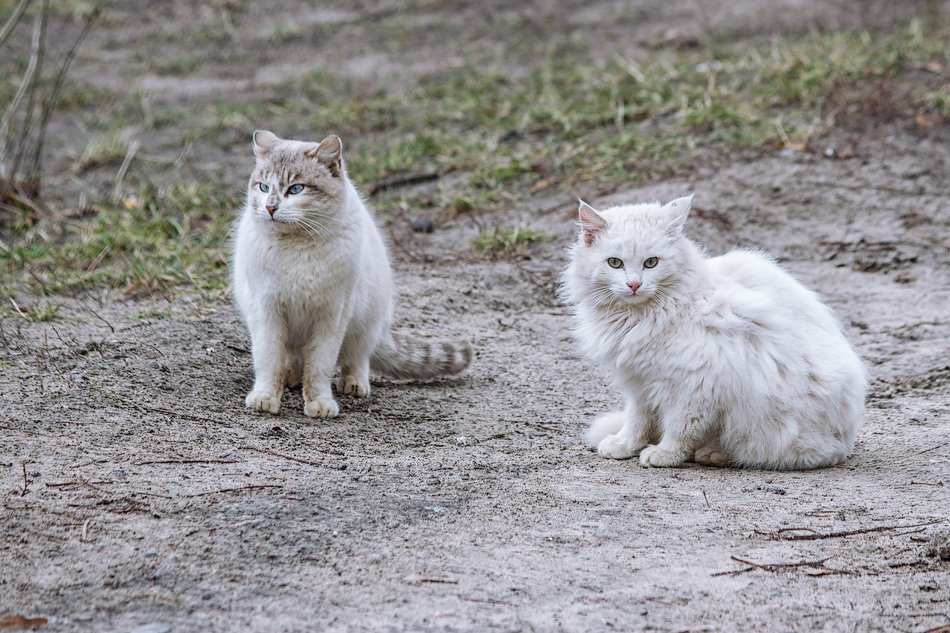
(724, 360)
(312, 279)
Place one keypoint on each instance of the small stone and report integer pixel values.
(904, 277)
(940, 545)
(422, 225)
(152, 628)
(463, 440)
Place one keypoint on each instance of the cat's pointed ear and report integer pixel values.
(264, 142)
(330, 153)
(678, 211)
(591, 222)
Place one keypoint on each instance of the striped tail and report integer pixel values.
(406, 357)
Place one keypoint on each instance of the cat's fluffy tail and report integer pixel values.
(407, 357)
(604, 425)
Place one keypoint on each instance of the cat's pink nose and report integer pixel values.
(271, 208)
(633, 285)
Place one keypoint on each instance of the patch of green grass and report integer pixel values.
(179, 66)
(145, 243)
(500, 240)
(39, 312)
(105, 152)
(569, 125)
(154, 314)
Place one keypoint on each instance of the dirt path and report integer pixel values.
(138, 491)
(472, 504)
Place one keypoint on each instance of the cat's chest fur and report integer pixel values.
(656, 345)
(303, 274)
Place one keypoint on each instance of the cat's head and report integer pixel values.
(295, 183)
(628, 254)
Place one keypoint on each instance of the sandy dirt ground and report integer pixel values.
(139, 495)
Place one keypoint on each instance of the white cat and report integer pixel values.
(724, 360)
(312, 279)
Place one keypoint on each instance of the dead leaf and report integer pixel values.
(923, 121)
(935, 67)
(21, 622)
(544, 183)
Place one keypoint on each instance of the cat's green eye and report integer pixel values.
(263, 187)
(295, 189)
(614, 262)
(651, 262)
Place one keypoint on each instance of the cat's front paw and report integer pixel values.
(618, 447)
(711, 455)
(323, 407)
(658, 457)
(262, 401)
(353, 386)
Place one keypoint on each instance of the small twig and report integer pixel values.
(85, 527)
(19, 311)
(814, 536)
(707, 499)
(187, 461)
(66, 484)
(239, 488)
(441, 581)
(26, 482)
(299, 460)
(120, 176)
(83, 305)
(773, 567)
(169, 412)
(401, 180)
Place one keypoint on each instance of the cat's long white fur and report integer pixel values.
(314, 284)
(726, 360)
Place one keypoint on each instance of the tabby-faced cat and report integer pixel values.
(724, 360)
(312, 279)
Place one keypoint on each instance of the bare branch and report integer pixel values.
(26, 126)
(14, 20)
(50, 103)
(28, 78)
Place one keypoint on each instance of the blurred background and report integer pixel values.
(447, 109)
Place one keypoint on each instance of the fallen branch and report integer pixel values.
(163, 411)
(780, 535)
(774, 567)
(401, 180)
(239, 488)
(292, 458)
(186, 461)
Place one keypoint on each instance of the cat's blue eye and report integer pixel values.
(263, 187)
(614, 262)
(295, 189)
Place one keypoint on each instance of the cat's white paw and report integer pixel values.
(353, 386)
(262, 401)
(325, 407)
(711, 455)
(618, 447)
(660, 457)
